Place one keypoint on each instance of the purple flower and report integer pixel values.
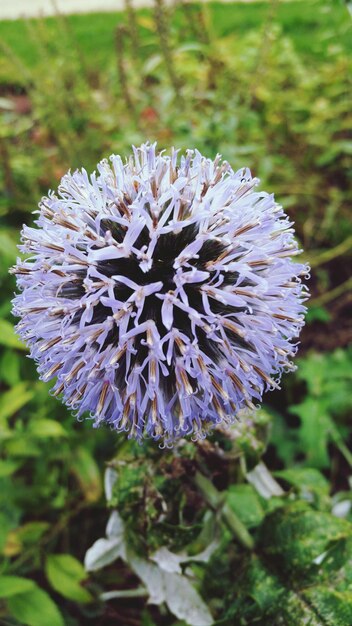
(160, 293)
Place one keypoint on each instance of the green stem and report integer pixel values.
(163, 29)
(329, 255)
(140, 592)
(339, 442)
(215, 499)
(332, 294)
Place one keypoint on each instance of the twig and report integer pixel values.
(140, 592)
(329, 255)
(339, 442)
(216, 501)
(133, 28)
(164, 36)
(120, 34)
(16, 61)
(332, 294)
(6, 163)
(60, 525)
(72, 38)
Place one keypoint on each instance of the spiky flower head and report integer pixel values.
(160, 293)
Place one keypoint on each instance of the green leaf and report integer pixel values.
(46, 428)
(5, 528)
(87, 473)
(8, 248)
(263, 598)
(314, 432)
(295, 535)
(35, 608)
(335, 607)
(8, 337)
(65, 574)
(318, 313)
(285, 440)
(12, 585)
(31, 532)
(14, 399)
(309, 483)
(307, 477)
(301, 572)
(245, 502)
(10, 367)
(22, 446)
(8, 467)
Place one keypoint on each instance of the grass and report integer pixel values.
(297, 19)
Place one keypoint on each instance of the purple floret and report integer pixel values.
(160, 293)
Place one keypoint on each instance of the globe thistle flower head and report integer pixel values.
(160, 293)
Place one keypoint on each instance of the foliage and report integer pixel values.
(302, 574)
(324, 410)
(250, 523)
(299, 570)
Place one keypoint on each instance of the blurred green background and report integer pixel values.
(268, 85)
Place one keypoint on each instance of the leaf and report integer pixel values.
(335, 607)
(46, 428)
(162, 585)
(65, 574)
(263, 482)
(263, 598)
(106, 551)
(305, 477)
(5, 529)
(185, 602)
(190, 46)
(31, 532)
(146, 22)
(151, 64)
(8, 337)
(115, 527)
(8, 467)
(151, 575)
(301, 573)
(342, 508)
(14, 399)
(22, 446)
(102, 553)
(314, 432)
(27, 534)
(333, 152)
(175, 590)
(10, 367)
(110, 479)
(87, 473)
(12, 585)
(244, 501)
(285, 440)
(295, 535)
(8, 247)
(170, 562)
(309, 483)
(13, 544)
(35, 608)
(318, 314)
